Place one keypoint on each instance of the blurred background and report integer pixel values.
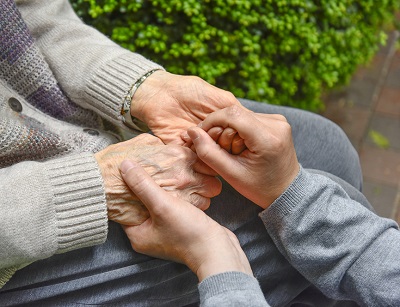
(368, 110)
(339, 58)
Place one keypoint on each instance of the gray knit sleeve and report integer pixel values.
(231, 289)
(50, 207)
(344, 249)
(93, 71)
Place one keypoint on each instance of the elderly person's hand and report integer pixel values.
(175, 168)
(176, 230)
(170, 104)
(267, 165)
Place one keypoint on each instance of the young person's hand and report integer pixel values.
(268, 163)
(176, 230)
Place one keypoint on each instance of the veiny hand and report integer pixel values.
(267, 166)
(169, 104)
(179, 231)
(175, 168)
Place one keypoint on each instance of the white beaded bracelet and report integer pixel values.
(127, 118)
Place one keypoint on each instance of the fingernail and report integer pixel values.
(194, 135)
(126, 165)
(185, 136)
(220, 130)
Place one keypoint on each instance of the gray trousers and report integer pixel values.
(113, 274)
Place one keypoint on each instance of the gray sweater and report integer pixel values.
(344, 249)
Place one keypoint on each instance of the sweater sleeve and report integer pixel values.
(93, 71)
(231, 289)
(61, 207)
(341, 247)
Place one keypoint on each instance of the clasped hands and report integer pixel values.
(169, 104)
(154, 193)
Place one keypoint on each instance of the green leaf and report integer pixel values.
(379, 139)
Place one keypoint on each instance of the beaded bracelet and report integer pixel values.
(127, 118)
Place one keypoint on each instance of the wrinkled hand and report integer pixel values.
(169, 104)
(178, 231)
(267, 165)
(175, 168)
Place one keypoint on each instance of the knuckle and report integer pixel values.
(182, 153)
(281, 117)
(196, 79)
(186, 179)
(287, 129)
(231, 97)
(234, 111)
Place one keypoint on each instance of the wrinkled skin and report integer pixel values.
(170, 104)
(173, 167)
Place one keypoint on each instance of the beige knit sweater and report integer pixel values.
(60, 80)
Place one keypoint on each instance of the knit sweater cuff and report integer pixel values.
(79, 201)
(227, 281)
(112, 82)
(285, 203)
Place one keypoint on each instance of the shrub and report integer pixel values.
(281, 51)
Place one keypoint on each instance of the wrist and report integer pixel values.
(219, 255)
(214, 266)
(150, 87)
(126, 111)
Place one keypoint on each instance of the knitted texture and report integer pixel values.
(24, 69)
(24, 138)
(25, 72)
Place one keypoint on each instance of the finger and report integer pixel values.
(211, 153)
(128, 212)
(214, 132)
(187, 140)
(202, 168)
(238, 145)
(144, 187)
(243, 121)
(203, 203)
(207, 186)
(226, 138)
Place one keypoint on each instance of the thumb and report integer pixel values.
(210, 152)
(144, 187)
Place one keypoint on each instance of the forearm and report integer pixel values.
(346, 250)
(92, 70)
(50, 207)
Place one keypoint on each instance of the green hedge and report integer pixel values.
(282, 51)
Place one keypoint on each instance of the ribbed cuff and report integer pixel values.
(226, 282)
(236, 288)
(113, 80)
(6, 274)
(79, 199)
(285, 203)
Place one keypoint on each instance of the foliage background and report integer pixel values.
(285, 52)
